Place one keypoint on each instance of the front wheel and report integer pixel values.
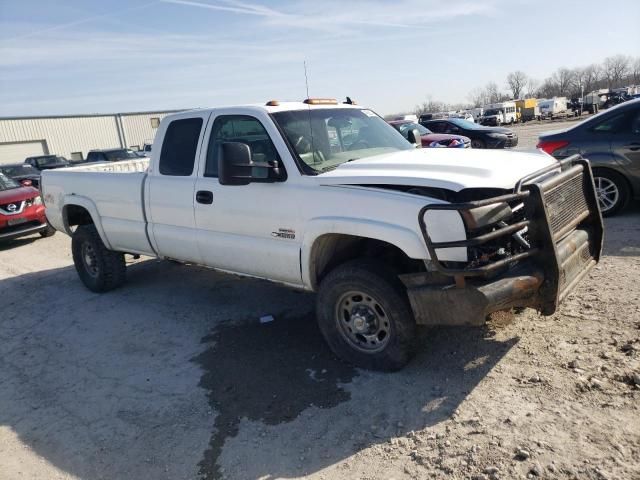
(99, 269)
(365, 317)
(612, 191)
(47, 232)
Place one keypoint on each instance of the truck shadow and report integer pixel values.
(106, 386)
(266, 376)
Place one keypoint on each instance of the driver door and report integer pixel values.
(252, 229)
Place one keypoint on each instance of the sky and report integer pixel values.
(86, 56)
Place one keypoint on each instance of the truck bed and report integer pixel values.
(111, 192)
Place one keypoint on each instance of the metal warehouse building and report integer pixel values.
(72, 136)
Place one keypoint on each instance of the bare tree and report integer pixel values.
(493, 95)
(635, 70)
(615, 69)
(430, 106)
(563, 78)
(516, 82)
(590, 76)
(478, 97)
(532, 88)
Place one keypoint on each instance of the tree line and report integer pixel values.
(614, 72)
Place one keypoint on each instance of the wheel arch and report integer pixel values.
(327, 245)
(82, 211)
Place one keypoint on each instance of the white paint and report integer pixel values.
(235, 232)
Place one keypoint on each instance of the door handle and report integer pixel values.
(204, 196)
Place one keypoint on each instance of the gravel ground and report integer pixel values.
(528, 132)
(174, 377)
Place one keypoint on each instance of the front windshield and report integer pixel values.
(17, 170)
(405, 127)
(325, 138)
(491, 112)
(7, 183)
(120, 154)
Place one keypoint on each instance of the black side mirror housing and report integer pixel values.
(236, 167)
(414, 137)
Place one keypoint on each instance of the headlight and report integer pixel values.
(37, 200)
(497, 135)
(476, 218)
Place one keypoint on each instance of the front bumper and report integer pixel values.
(33, 221)
(507, 142)
(566, 233)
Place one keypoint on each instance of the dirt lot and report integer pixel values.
(528, 132)
(174, 377)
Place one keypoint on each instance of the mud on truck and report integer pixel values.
(328, 197)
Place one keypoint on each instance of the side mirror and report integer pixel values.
(414, 137)
(236, 167)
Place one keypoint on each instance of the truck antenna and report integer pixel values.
(306, 83)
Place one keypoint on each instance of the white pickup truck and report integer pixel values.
(328, 197)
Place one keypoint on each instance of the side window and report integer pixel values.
(178, 154)
(624, 122)
(243, 129)
(436, 127)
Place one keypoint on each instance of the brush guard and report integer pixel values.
(565, 230)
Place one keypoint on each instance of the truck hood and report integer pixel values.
(453, 169)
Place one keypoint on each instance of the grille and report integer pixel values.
(12, 208)
(565, 203)
(574, 265)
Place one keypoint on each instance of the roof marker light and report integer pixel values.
(320, 101)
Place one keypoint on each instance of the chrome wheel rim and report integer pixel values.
(607, 192)
(362, 322)
(89, 259)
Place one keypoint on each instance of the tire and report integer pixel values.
(99, 269)
(48, 232)
(476, 143)
(358, 291)
(612, 190)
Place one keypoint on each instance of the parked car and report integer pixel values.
(145, 151)
(611, 141)
(111, 155)
(21, 211)
(430, 139)
(390, 236)
(47, 162)
(481, 137)
(23, 173)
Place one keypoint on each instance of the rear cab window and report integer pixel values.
(178, 153)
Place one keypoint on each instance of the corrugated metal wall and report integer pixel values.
(64, 135)
(137, 127)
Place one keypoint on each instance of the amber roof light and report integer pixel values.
(321, 101)
(272, 103)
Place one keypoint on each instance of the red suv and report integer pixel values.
(21, 211)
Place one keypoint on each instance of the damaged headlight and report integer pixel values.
(480, 217)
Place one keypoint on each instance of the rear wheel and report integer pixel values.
(477, 143)
(612, 191)
(365, 317)
(99, 269)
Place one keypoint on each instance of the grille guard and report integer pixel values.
(564, 223)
